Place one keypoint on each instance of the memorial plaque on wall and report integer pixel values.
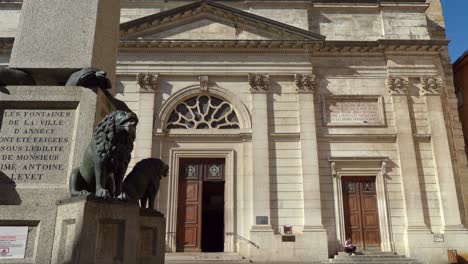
(353, 111)
(35, 144)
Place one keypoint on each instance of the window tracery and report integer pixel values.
(203, 112)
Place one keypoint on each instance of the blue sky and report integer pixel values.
(456, 21)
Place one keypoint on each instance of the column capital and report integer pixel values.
(430, 85)
(305, 83)
(148, 82)
(397, 85)
(259, 83)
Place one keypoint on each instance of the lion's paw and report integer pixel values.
(84, 193)
(123, 196)
(102, 193)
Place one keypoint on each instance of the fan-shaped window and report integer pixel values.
(203, 112)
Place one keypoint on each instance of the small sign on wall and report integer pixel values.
(13, 241)
(439, 238)
(261, 220)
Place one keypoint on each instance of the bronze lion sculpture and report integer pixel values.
(106, 157)
(142, 183)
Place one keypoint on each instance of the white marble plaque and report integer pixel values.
(353, 111)
(35, 145)
(13, 241)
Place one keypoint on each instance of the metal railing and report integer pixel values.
(243, 239)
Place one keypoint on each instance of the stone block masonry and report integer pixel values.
(43, 135)
(58, 37)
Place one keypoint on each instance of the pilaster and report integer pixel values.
(259, 84)
(148, 84)
(451, 219)
(397, 87)
(305, 87)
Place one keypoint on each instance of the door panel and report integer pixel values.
(361, 211)
(192, 174)
(191, 214)
(191, 237)
(192, 192)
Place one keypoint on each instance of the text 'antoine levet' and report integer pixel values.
(35, 144)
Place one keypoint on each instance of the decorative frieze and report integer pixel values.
(203, 82)
(305, 83)
(148, 82)
(397, 85)
(431, 85)
(259, 83)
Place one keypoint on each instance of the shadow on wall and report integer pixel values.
(8, 193)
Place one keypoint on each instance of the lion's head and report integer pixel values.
(114, 137)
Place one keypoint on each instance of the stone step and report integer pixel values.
(370, 256)
(377, 262)
(370, 259)
(373, 257)
(201, 257)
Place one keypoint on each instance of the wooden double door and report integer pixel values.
(361, 212)
(200, 213)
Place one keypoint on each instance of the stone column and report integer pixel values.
(397, 88)
(56, 38)
(149, 87)
(310, 167)
(260, 157)
(450, 212)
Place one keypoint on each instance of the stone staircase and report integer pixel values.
(373, 257)
(199, 258)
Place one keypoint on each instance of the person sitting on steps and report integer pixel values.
(349, 247)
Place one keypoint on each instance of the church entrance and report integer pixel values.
(200, 210)
(361, 216)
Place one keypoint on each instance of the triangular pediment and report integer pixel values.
(206, 20)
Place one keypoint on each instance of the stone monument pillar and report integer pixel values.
(44, 130)
(58, 37)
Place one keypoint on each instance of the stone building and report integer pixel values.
(291, 125)
(460, 75)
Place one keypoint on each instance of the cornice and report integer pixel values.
(11, 3)
(325, 48)
(315, 47)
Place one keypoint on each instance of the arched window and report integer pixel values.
(203, 112)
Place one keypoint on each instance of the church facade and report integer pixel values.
(289, 126)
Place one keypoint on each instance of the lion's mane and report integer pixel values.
(111, 145)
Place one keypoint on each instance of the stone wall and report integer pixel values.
(340, 22)
(361, 76)
(9, 17)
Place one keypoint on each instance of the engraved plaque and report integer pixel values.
(288, 238)
(35, 145)
(353, 111)
(261, 220)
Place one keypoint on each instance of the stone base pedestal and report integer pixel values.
(89, 230)
(44, 131)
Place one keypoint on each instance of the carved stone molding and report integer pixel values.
(397, 85)
(431, 85)
(305, 83)
(259, 83)
(148, 82)
(203, 82)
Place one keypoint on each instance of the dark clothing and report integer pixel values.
(351, 249)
